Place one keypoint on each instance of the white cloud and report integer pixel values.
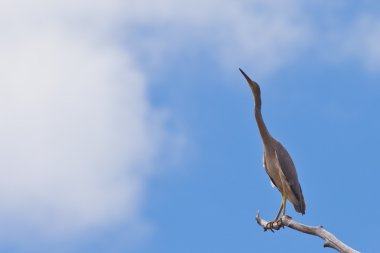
(77, 131)
(264, 34)
(361, 41)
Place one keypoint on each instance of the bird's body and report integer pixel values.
(278, 165)
(277, 162)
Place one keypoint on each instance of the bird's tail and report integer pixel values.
(300, 205)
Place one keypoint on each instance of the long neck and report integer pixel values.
(265, 135)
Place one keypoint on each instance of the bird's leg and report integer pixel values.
(279, 211)
(282, 209)
(270, 224)
(284, 204)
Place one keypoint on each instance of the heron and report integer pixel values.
(277, 162)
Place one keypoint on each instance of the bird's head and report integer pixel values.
(252, 84)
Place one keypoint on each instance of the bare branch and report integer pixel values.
(330, 240)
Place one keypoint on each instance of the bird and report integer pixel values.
(277, 162)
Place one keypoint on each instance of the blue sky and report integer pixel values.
(127, 126)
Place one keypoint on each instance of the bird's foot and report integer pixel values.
(276, 225)
(269, 226)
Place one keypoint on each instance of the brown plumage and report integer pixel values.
(277, 162)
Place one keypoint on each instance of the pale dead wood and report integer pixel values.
(330, 240)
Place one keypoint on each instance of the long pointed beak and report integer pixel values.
(245, 75)
(254, 86)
